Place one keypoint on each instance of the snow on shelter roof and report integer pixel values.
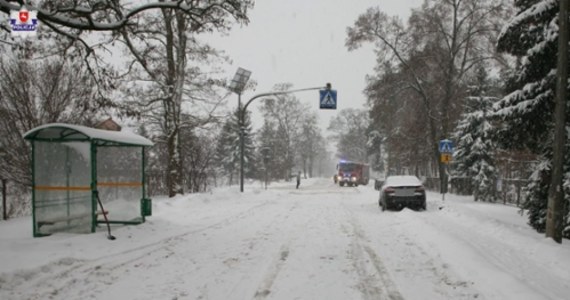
(67, 132)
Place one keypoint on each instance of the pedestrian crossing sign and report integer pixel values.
(445, 146)
(327, 99)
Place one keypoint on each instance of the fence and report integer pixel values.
(507, 190)
(157, 182)
(16, 199)
(512, 191)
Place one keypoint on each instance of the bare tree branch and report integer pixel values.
(84, 15)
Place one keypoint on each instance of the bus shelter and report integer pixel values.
(74, 165)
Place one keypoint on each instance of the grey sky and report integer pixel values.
(302, 42)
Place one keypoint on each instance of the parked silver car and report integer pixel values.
(402, 191)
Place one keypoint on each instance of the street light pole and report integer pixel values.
(282, 93)
(241, 121)
(244, 110)
(237, 85)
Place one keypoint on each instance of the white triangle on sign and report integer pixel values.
(327, 99)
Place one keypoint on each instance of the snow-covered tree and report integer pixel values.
(223, 151)
(374, 149)
(228, 147)
(75, 17)
(33, 93)
(349, 131)
(474, 153)
(286, 115)
(310, 143)
(266, 154)
(527, 111)
(433, 54)
(197, 163)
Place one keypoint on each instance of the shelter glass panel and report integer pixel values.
(62, 179)
(120, 182)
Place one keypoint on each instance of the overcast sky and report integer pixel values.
(302, 42)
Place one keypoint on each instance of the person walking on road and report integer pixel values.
(298, 179)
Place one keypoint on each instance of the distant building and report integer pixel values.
(108, 124)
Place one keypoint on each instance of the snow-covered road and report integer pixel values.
(318, 242)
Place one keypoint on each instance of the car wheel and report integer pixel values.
(424, 206)
(341, 183)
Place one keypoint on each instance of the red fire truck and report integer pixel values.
(352, 173)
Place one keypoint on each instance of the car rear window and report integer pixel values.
(402, 181)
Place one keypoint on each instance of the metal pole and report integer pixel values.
(241, 116)
(443, 187)
(241, 142)
(280, 93)
(4, 208)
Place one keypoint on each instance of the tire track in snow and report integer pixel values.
(268, 280)
(175, 238)
(230, 259)
(267, 232)
(510, 263)
(265, 288)
(412, 262)
(418, 258)
(68, 273)
(375, 281)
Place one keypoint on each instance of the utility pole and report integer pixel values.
(554, 214)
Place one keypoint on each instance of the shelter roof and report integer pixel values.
(61, 132)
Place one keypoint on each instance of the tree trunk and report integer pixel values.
(554, 216)
(311, 164)
(174, 165)
(176, 56)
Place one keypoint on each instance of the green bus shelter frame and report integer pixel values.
(63, 133)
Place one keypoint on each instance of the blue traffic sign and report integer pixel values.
(327, 99)
(446, 146)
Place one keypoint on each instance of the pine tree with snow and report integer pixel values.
(228, 147)
(526, 113)
(250, 160)
(267, 138)
(374, 148)
(474, 153)
(224, 148)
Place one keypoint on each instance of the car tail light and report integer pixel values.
(420, 189)
(389, 190)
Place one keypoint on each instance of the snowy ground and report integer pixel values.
(319, 242)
